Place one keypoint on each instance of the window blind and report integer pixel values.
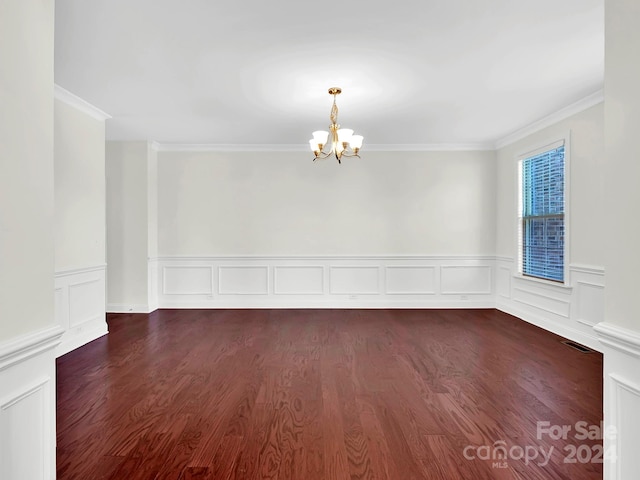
(542, 215)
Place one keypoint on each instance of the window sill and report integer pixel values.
(541, 281)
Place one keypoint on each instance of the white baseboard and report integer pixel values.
(28, 405)
(80, 306)
(128, 308)
(82, 337)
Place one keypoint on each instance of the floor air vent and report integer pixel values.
(577, 346)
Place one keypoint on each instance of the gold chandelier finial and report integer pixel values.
(341, 141)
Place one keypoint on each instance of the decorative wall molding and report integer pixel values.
(454, 259)
(27, 405)
(621, 409)
(76, 271)
(326, 282)
(23, 451)
(298, 280)
(78, 103)
(570, 310)
(589, 302)
(587, 102)
(410, 280)
(354, 279)
(22, 348)
(80, 306)
(620, 339)
(466, 279)
(243, 280)
(187, 280)
(621, 401)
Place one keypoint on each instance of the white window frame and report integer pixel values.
(531, 151)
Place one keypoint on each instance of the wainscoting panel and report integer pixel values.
(537, 298)
(326, 282)
(589, 298)
(61, 307)
(590, 303)
(27, 406)
(298, 280)
(410, 280)
(621, 400)
(243, 280)
(152, 282)
(85, 302)
(355, 280)
(569, 310)
(24, 432)
(503, 282)
(466, 280)
(626, 419)
(80, 306)
(187, 280)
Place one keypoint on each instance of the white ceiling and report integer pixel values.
(257, 72)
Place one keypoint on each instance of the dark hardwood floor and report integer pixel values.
(327, 394)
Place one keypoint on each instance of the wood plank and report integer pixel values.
(319, 394)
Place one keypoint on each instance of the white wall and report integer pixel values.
(28, 335)
(26, 166)
(152, 228)
(387, 203)
(131, 169)
(80, 205)
(573, 309)
(620, 332)
(79, 188)
(127, 223)
(586, 202)
(623, 161)
(273, 229)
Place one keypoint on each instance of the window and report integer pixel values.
(542, 213)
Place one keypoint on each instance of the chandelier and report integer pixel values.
(338, 141)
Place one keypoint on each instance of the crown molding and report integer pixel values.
(587, 102)
(429, 147)
(70, 99)
(225, 147)
(203, 147)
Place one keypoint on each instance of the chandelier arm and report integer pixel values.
(322, 155)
